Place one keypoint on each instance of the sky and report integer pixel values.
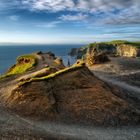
(69, 21)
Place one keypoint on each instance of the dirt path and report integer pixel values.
(94, 133)
(129, 73)
(132, 90)
(114, 71)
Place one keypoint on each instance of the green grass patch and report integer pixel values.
(28, 62)
(3, 76)
(137, 44)
(24, 63)
(117, 42)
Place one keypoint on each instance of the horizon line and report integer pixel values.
(29, 43)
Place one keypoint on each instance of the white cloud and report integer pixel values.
(130, 12)
(77, 17)
(49, 5)
(48, 24)
(126, 16)
(14, 17)
(79, 5)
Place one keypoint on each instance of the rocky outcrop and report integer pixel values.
(95, 57)
(103, 47)
(69, 95)
(59, 61)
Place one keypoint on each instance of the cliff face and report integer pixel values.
(93, 56)
(127, 50)
(74, 52)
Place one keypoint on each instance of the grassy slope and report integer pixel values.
(21, 67)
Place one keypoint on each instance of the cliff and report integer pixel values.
(114, 48)
(73, 94)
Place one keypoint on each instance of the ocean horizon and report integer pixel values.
(9, 53)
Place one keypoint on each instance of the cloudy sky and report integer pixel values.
(69, 21)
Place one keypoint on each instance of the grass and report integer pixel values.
(24, 63)
(137, 44)
(117, 42)
(54, 75)
(23, 67)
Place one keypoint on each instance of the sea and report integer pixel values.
(9, 53)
